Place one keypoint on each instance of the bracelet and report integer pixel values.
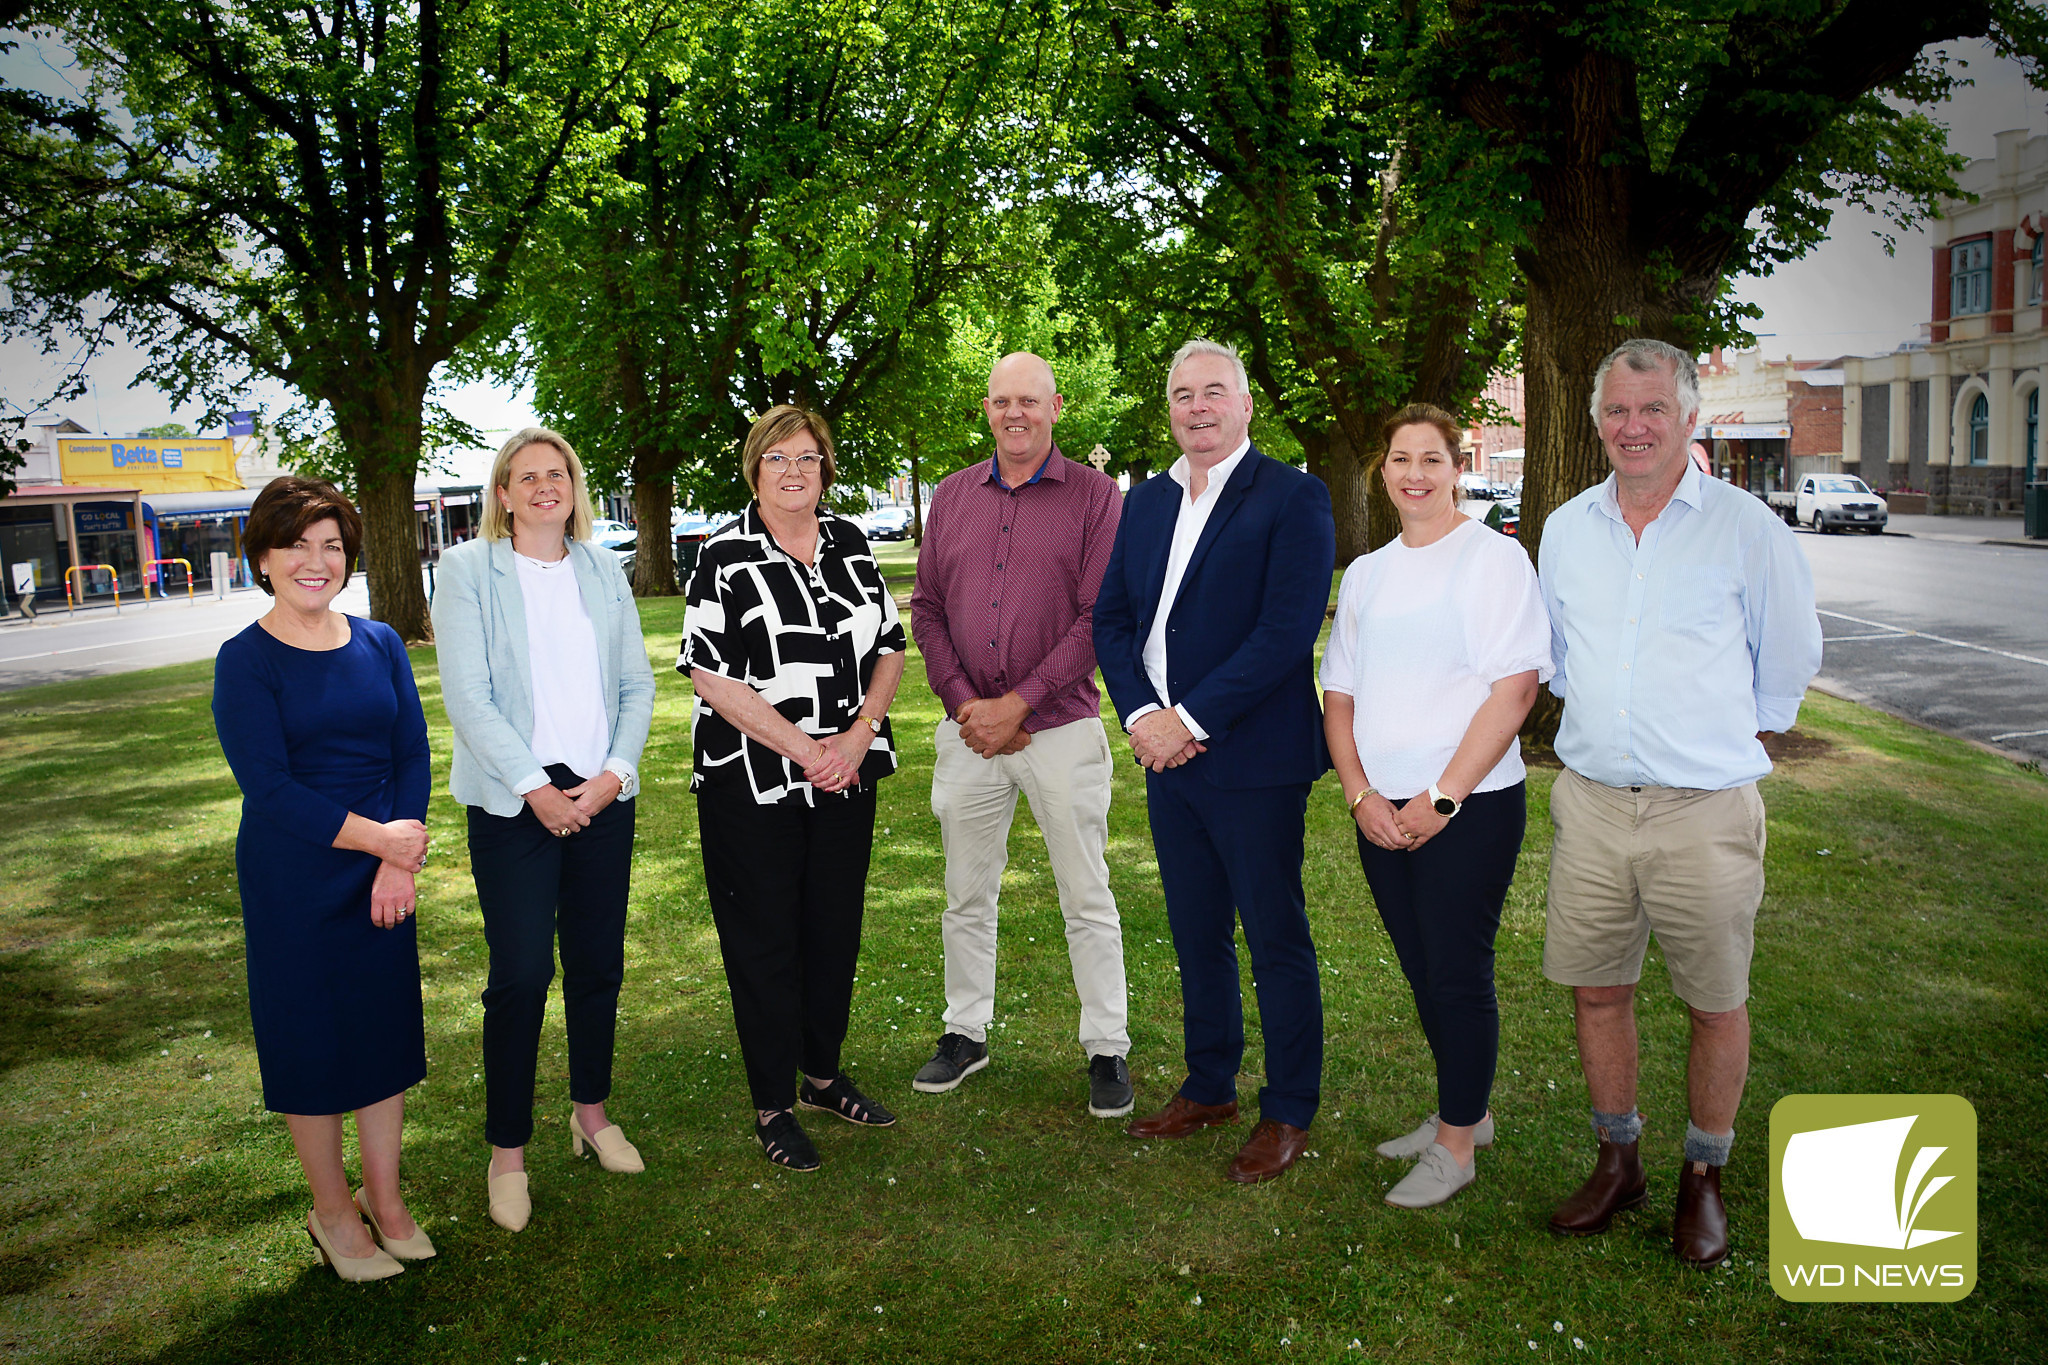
(1360, 797)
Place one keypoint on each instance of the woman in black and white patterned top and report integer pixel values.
(794, 647)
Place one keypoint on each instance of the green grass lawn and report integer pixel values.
(151, 1210)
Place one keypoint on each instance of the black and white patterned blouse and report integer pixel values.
(805, 638)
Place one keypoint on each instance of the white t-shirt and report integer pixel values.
(569, 724)
(1420, 639)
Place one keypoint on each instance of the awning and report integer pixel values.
(213, 502)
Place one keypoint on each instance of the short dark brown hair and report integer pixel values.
(283, 511)
(1420, 415)
(777, 425)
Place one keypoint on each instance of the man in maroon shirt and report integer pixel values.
(1013, 556)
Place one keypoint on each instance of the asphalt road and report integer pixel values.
(1951, 633)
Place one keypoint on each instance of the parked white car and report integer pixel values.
(1832, 502)
(611, 534)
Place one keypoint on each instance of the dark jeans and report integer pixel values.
(1230, 857)
(787, 885)
(1441, 905)
(532, 886)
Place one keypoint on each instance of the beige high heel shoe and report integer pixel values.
(378, 1265)
(511, 1205)
(417, 1247)
(614, 1153)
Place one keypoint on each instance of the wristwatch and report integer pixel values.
(1443, 804)
(872, 722)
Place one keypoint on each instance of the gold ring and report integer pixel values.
(563, 833)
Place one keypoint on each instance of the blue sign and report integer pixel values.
(241, 424)
(102, 517)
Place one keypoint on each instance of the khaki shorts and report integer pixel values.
(1626, 861)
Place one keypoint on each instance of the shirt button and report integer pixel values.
(1631, 620)
(999, 566)
(1639, 578)
(1624, 713)
(1628, 755)
(1627, 665)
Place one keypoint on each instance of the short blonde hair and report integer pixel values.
(497, 522)
(777, 425)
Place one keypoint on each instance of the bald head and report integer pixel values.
(1023, 403)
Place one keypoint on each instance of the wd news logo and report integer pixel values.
(1873, 1197)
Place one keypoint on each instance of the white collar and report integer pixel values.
(1225, 467)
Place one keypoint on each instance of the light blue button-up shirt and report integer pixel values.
(1671, 654)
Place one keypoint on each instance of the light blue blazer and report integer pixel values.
(487, 679)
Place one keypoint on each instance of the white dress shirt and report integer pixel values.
(569, 724)
(1673, 653)
(1187, 530)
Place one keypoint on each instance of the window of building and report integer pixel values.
(1980, 430)
(1969, 277)
(2034, 274)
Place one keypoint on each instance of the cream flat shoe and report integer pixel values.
(1410, 1145)
(378, 1265)
(614, 1153)
(417, 1247)
(1435, 1178)
(511, 1206)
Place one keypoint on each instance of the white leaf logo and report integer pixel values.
(1840, 1185)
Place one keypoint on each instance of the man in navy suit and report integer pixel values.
(1205, 630)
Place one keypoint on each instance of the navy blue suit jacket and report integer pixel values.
(1241, 637)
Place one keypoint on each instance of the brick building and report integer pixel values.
(1767, 423)
(1958, 415)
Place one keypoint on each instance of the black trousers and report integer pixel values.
(1441, 905)
(533, 887)
(787, 885)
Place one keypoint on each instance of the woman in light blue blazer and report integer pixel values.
(547, 684)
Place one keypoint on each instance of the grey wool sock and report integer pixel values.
(1618, 1128)
(1711, 1148)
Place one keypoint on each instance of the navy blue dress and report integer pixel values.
(313, 735)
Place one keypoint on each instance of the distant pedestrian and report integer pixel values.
(1683, 629)
(321, 723)
(1439, 645)
(1013, 557)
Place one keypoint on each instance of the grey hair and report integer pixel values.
(1645, 355)
(1195, 346)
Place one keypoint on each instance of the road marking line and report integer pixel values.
(1938, 639)
(1888, 635)
(2019, 734)
(115, 644)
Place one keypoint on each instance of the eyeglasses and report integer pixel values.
(780, 463)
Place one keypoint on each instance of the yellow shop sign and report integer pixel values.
(186, 464)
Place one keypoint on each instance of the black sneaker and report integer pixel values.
(842, 1099)
(1109, 1086)
(958, 1058)
(785, 1144)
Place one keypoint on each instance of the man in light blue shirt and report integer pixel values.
(1682, 628)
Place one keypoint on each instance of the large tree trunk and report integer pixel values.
(916, 502)
(654, 555)
(391, 553)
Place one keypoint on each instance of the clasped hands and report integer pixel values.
(994, 725)
(1398, 830)
(564, 810)
(836, 765)
(1161, 740)
(392, 894)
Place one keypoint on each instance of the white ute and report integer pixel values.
(1832, 502)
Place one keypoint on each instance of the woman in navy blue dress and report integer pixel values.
(321, 723)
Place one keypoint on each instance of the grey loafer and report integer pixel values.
(1436, 1177)
(1408, 1146)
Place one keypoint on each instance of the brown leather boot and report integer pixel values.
(1617, 1183)
(1699, 1232)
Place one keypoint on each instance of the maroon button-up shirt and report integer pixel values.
(1006, 584)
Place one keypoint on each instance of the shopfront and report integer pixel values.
(192, 527)
(89, 538)
(1752, 455)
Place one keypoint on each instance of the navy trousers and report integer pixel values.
(1441, 905)
(1228, 857)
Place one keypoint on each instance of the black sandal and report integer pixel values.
(842, 1099)
(785, 1144)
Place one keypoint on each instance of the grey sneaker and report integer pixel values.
(1408, 1146)
(1109, 1086)
(1434, 1179)
(958, 1058)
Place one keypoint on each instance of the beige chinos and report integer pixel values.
(1065, 773)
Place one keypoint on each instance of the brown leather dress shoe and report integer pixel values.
(1699, 1234)
(1182, 1116)
(1617, 1183)
(1268, 1152)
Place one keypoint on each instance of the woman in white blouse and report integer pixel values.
(1439, 645)
(545, 676)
